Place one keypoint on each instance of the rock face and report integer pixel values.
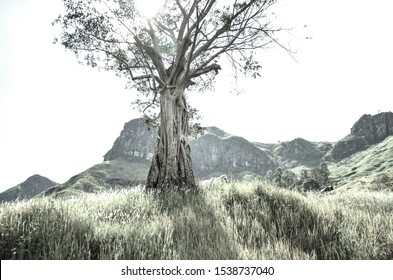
(374, 129)
(136, 143)
(217, 152)
(28, 189)
(214, 152)
(367, 131)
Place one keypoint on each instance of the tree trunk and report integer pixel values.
(171, 167)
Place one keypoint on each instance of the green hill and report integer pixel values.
(368, 169)
(114, 174)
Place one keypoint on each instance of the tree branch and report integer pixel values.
(200, 71)
(155, 58)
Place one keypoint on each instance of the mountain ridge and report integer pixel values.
(31, 187)
(216, 152)
(367, 131)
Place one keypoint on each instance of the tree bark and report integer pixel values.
(171, 168)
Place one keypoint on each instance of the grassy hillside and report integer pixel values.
(370, 169)
(234, 221)
(115, 174)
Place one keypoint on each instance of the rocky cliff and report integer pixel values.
(367, 131)
(136, 143)
(28, 189)
(218, 152)
(213, 153)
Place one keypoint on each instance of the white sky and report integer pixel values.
(58, 118)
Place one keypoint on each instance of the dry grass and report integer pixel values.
(234, 221)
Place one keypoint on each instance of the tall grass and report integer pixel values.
(233, 221)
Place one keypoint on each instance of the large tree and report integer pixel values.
(177, 50)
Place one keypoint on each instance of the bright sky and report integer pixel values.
(58, 118)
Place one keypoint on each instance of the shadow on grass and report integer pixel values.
(198, 230)
(178, 226)
(289, 219)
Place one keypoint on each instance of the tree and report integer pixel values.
(282, 178)
(321, 174)
(310, 184)
(288, 178)
(179, 49)
(303, 175)
(314, 179)
(278, 177)
(269, 177)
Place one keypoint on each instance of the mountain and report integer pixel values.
(371, 168)
(127, 163)
(213, 153)
(367, 131)
(217, 152)
(297, 153)
(115, 174)
(136, 143)
(28, 189)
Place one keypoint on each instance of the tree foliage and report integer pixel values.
(321, 174)
(308, 180)
(182, 44)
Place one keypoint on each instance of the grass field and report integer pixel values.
(235, 221)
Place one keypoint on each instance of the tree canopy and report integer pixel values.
(182, 44)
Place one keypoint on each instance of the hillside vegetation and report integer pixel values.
(370, 169)
(233, 221)
(115, 174)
